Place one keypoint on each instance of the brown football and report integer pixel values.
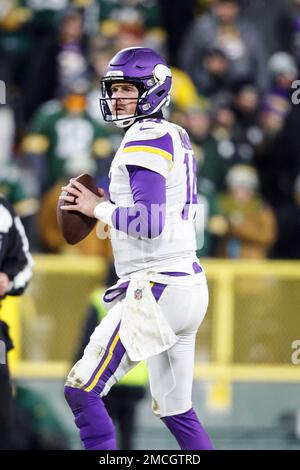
(74, 225)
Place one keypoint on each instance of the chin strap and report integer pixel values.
(125, 122)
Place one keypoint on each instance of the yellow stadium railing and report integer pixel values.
(224, 370)
(225, 273)
(247, 298)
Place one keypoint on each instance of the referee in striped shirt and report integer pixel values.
(15, 273)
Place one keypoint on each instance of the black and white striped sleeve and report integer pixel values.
(17, 262)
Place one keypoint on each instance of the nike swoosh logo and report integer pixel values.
(145, 128)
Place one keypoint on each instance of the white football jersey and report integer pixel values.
(165, 148)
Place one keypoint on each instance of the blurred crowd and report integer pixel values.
(234, 63)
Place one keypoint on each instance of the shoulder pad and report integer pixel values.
(147, 129)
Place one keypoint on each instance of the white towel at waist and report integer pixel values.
(144, 331)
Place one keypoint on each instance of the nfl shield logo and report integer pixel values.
(138, 294)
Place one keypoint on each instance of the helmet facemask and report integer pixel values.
(109, 109)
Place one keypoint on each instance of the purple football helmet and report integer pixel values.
(148, 71)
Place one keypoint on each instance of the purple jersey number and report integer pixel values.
(191, 187)
(189, 209)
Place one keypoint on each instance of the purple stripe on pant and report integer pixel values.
(111, 367)
(119, 349)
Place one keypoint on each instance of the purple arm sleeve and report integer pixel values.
(147, 217)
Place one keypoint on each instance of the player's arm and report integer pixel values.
(146, 218)
(147, 163)
(148, 158)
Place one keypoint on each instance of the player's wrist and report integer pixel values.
(104, 211)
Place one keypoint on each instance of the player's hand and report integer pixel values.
(4, 284)
(82, 199)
